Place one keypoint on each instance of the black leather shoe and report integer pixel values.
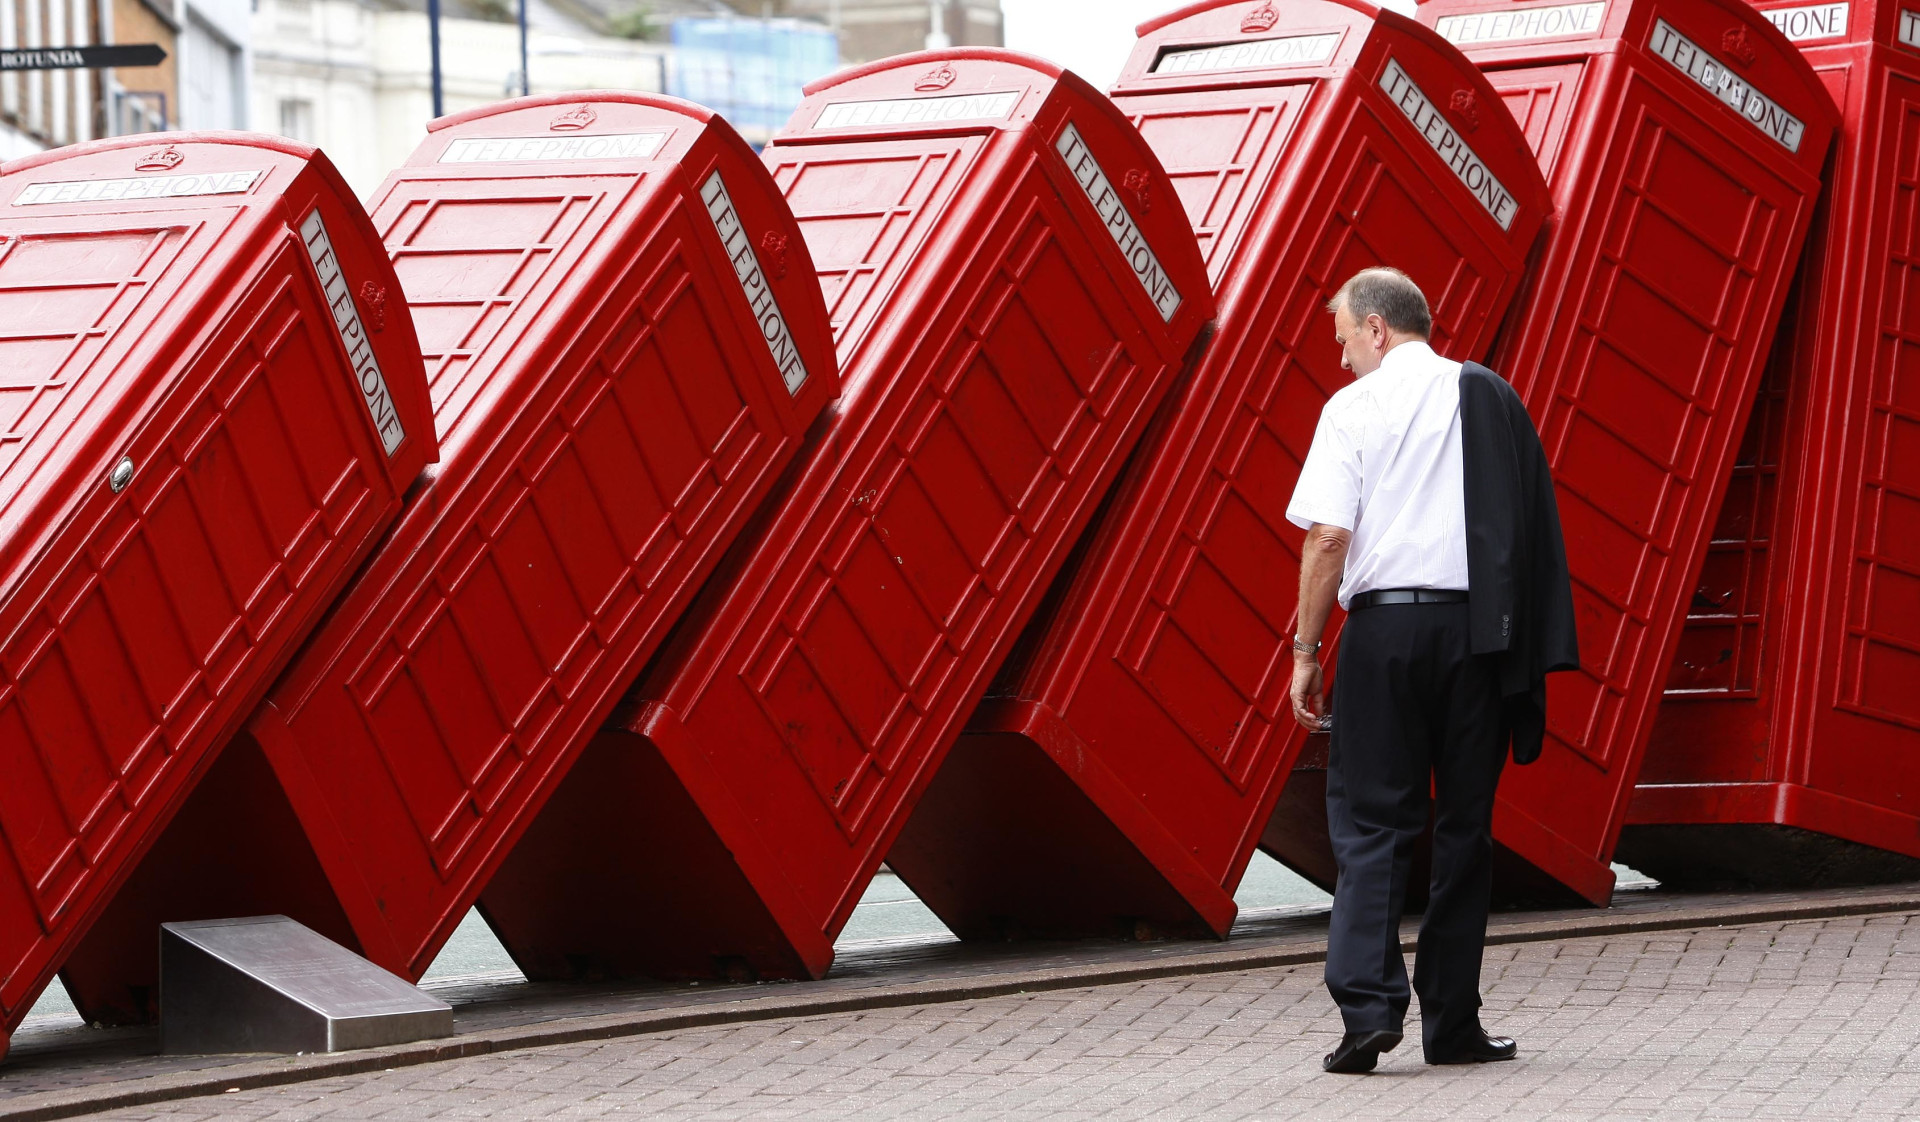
(1476, 1048)
(1359, 1051)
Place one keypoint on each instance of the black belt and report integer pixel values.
(1382, 597)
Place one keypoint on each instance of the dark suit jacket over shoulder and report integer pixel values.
(1520, 598)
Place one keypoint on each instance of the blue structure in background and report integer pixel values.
(750, 71)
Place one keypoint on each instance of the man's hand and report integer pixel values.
(1309, 693)
(1323, 557)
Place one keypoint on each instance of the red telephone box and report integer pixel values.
(1683, 140)
(1123, 772)
(1015, 287)
(213, 403)
(626, 349)
(1788, 748)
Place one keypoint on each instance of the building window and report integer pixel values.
(139, 111)
(213, 87)
(296, 119)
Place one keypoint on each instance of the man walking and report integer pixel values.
(1430, 515)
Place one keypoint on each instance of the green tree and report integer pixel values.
(635, 22)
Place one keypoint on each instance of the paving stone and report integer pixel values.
(1754, 1022)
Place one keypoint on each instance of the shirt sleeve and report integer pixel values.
(1329, 488)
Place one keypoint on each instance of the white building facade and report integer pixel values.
(214, 64)
(355, 78)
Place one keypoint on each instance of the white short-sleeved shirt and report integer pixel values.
(1385, 464)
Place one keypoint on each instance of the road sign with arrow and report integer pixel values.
(82, 58)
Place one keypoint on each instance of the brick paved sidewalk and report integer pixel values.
(62, 1072)
(1799, 1019)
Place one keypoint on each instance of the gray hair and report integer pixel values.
(1388, 293)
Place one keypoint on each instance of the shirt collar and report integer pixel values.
(1407, 355)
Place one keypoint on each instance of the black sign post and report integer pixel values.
(81, 58)
(433, 43)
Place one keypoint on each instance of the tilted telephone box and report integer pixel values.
(1014, 288)
(212, 404)
(1787, 751)
(626, 348)
(1122, 772)
(1684, 142)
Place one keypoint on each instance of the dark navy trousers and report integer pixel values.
(1414, 711)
